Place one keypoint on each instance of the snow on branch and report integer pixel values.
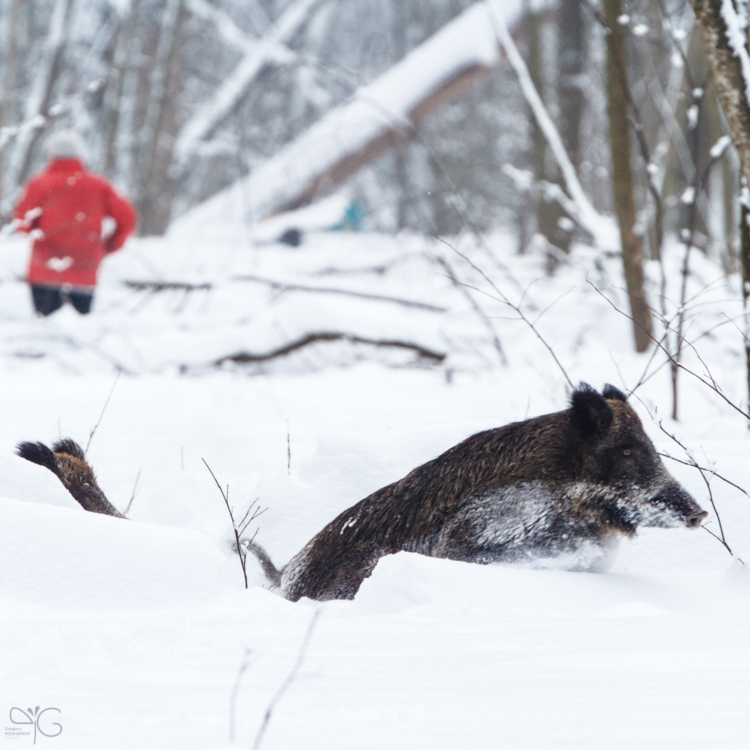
(581, 208)
(737, 38)
(271, 48)
(226, 26)
(377, 117)
(37, 102)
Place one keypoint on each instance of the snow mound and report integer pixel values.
(444, 587)
(22, 480)
(60, 557)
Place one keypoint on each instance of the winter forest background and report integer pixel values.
(142, 79)
(494, 201)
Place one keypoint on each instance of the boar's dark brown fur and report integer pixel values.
(68, 462)
(567, 484)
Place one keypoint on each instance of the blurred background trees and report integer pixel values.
(178, 98)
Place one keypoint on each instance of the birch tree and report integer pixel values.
(154, 201)
(725, 37)
(9, 80)
(40, 98)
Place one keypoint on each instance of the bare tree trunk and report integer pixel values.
(727, 69)
(9, 81)
(623, 182)
(732, 87)
(41, 97)
(113, 101)
(400, 18)
(155, 194)
(549, 211)
(745, 262)
(571, 59)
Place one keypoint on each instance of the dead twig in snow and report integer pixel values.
(101, 416)
(235, 689)
(289, 680)
(239, 528)
(288, 450)
(167, 286)
(135, 490)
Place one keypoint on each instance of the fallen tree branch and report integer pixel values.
(164, 286)
(328, 336)
(284, 287)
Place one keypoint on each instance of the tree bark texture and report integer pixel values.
(50, 72)
(549, 212)
(571, 59)
(158, 188)
(745, 262)
(730, 84)
(9, 81)
(732, 91)
(623, 182)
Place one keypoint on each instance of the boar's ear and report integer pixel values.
(610, 392)
(591, 413)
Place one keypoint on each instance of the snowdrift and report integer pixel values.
(58, 557)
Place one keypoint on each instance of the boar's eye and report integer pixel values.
(626, 452)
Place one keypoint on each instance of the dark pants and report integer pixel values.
(47, 299)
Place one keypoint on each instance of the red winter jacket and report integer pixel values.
(66, 204)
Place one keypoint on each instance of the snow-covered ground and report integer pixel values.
(136, 630)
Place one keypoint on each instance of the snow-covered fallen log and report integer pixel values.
(257, 56)
(379, 116)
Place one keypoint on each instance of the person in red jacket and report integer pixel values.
(63, 209)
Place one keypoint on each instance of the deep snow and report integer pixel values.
(136, 629)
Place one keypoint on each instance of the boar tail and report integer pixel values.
(272, 573)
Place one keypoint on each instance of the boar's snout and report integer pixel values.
(673, 506)
(695, 520)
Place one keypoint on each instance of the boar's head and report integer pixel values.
(621, 466)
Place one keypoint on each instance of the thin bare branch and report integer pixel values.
(282, 287)
(133, 494)
(464, 289)
(502, 298)
(289, 680)
(235, 690)
(101, 416)
(705, 382)
(241, 551)
(713, 472)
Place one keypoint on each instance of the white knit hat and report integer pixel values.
(65, 144)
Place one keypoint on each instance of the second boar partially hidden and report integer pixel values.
(67, 461)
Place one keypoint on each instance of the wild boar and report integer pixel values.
(67, 461)
(559, 485)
